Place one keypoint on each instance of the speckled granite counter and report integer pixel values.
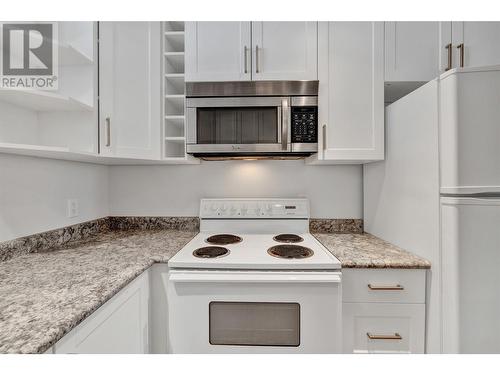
(44, 295)
(367, 251)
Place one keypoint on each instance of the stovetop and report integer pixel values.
(251, 253)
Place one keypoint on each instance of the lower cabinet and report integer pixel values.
(121, 325)
(383, 311)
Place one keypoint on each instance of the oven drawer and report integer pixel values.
(383, 285)
(383, 328)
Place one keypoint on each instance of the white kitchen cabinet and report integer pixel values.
(351, 92)
(481, 43)
(242, 51)
(383, 328)
(383, 310)
(218, 51)
(412, 51)
(130, 95)
(284, 50)
(119, 326)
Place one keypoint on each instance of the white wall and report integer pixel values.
(33, 194)
(334, 191)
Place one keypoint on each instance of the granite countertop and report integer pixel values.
(358, 250)
(45, 294)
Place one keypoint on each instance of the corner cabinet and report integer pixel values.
(130, 89)
(351, 92)
(120, 326)
(243, 51)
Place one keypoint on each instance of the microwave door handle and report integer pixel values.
(285, 123)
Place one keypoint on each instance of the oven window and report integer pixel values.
(254, 323)
(237, 125)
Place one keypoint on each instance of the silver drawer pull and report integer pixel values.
(396, 336)
(385, 287)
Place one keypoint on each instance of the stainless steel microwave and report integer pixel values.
(252, 119)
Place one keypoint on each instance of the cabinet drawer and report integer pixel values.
(383, 285)
(383, 328)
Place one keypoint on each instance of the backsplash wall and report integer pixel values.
(175, 190)
(33, 194)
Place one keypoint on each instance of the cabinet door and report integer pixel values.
(218, 51)
(351, 91)
(284, 50)
(130, 97)
(411, 51)
(481, 43)
(383, 328)
(120, 326)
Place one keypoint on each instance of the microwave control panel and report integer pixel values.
(304, 124)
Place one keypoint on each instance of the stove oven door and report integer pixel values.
(254, 312)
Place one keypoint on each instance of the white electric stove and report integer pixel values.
(254, 280)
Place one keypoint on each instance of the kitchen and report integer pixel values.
(196, 187)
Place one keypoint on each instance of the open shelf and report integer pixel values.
(70, 55)
(174, 64)
(174, 106)
(42, 101)
(174, 85)
(173, 26)
(175, 75)
(174, 42)
(175, 139)
(174, 127)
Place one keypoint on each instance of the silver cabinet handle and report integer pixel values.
(395, 336)
(385, 287)
(324, 136)
(448, 47)
(108, 131)
(461, 48)
(257, 69)
(246, 59)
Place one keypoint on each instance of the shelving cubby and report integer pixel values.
(174, 96)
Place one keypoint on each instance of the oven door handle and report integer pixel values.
(255, 277)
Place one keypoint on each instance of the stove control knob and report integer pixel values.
(232, 210)
(257, 210)
(223, 208)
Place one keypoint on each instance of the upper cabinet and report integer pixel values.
(284, 50)
(239, 51)
(351, 92)
(218, 51)
(475, 44)
(412, 51)
(415, 53)
(130, 89)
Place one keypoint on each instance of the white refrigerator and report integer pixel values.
(437, 194)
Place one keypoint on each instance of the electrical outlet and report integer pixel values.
(73, 209)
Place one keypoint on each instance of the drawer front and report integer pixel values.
(383, 328)
(382, 285)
